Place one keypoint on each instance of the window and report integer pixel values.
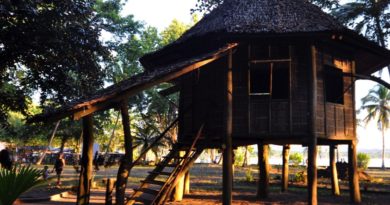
(270, 79)
(260, 79)
(269, 72)
(334, 85)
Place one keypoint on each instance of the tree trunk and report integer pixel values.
(245, 163)
(85, 179)
(383, 148)
(49, 145)
(127, 160)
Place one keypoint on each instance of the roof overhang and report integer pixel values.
(111, 96)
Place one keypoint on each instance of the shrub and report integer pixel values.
(300, 177)
(363, 159)
(248, 175)
(296, 158)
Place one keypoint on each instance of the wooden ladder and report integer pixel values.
(156, 188)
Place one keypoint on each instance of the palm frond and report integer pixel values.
(15, 182)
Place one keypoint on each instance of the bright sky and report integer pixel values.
(158, 13)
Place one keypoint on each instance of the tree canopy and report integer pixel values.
(50, 46)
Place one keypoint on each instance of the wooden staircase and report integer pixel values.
(159, 184)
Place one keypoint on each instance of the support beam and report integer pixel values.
(85, 178)
(227, 176)
(286, 154)
(178, 192)
(312, 140)
(333, 170)
(127, 160)
(263, 187)
(354, 189)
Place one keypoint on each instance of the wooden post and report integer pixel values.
(109, 188)
(127, 160)
(354, 189)
(286, 153)
(227, 175)
(333, 168)
(85, 179)
(312, 140)
(179, 188)
(187, 183)
(262, 190)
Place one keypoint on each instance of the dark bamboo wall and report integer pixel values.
(260, 116)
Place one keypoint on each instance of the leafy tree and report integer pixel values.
(48, 46)
(377, 105)
(370, 17)
(296, 158)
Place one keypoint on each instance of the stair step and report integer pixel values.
(171, 165)
(161, 183)
(160, 173)
(148, 191)
(143, 200)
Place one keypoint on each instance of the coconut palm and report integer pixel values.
(370, 17)
(16, 181)
(377, 105)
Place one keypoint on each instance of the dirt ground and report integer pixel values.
(206, 185)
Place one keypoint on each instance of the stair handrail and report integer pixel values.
(143, 153)
(180, 166)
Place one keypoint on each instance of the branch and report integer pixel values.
(369, 77)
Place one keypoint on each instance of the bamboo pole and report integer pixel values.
(286, 152)
(85, 178)
(263, 187)
(227, 179)
(127, 160)
(334, 177)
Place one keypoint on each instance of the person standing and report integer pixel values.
(5, 159)
(59, 167)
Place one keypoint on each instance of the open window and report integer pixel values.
(334, 85)
(269, 72)
(270, 79)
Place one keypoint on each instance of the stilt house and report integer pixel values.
(258, 72)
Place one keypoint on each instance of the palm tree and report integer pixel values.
(145, 135)
(377, 105)
(367, 16)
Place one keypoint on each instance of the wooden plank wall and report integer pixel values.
(336, 118)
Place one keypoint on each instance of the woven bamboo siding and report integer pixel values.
(203, 91)
(299, 93)
(240, 93)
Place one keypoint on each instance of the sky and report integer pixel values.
(159, 14)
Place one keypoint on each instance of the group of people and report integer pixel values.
(6, 163)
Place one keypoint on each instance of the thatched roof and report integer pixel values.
(235, 18)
